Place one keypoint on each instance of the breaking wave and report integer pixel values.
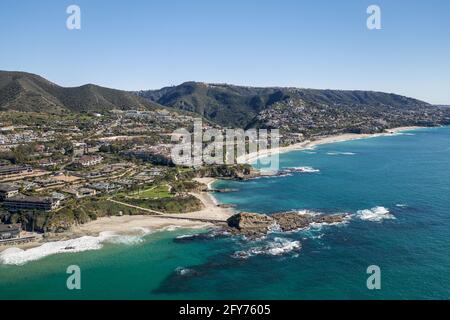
(170, 228)
(341, 153)
(271, 175)
(376, 214)
(184, 271)
(186, 236)
(16, 256)
(277, 247)
(307, 213)
(303, 169)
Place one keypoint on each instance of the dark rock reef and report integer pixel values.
(254, 225)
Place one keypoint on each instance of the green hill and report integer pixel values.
(237, 106)
(293, 110)
(21, 91)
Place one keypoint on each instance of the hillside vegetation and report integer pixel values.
(298, 110)
(27, 92)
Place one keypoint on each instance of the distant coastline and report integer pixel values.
(309, 144)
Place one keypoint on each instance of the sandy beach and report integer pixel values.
(309, 144)
(130, 225)
(204, 218)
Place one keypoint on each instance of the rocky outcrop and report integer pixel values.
(257, 225)
(250, 224)
(235, 172)
(288, 221)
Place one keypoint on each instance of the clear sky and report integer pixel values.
(147, 44)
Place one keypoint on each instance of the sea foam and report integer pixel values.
(305, 169)
(277, 247)
(341, 153)
(376, 214)
(183, 271)
(16, 256)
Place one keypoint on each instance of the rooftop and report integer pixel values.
(8, 188)
(9, 227)
(23, 198)
(13, 167)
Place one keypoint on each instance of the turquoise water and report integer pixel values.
(407, 174)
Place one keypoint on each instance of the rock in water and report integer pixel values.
(289, 221)
(337, 218)
(250, 224)
(255, 225)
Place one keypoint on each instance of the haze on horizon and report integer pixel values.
(308, 44)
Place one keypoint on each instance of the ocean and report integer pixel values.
(396, 190)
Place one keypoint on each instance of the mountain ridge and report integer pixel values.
(21, 91)
(233, 105)
(292, 110)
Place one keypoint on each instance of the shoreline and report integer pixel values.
(208, 217)
(131, 225)
(209, 183)
(310, 144)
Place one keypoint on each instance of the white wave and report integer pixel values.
(376, 214)
(307, 213)
(170, 228)
(16, 256)
(183, 271)
(277, 247)
(213, 199)
(314, 234)
(319, 225)
(304, 169)
(319, 236)
(142, 230)
(272, 175)
(401, 205)
(341, 153)
(274, 228)
(128, 240)
(186, 236)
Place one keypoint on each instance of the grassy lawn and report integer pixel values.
(158, 192)
(175, 204)
(159, 198)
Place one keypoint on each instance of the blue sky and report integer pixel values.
(146, 44)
